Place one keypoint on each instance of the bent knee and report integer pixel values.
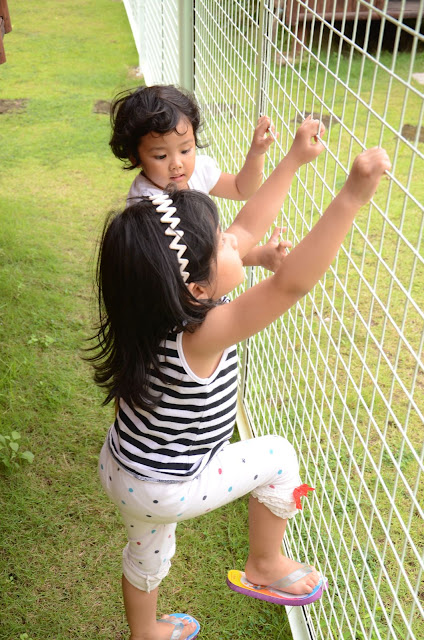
(279, 445)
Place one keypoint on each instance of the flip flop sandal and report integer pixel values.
(179, 626)
(274, 592)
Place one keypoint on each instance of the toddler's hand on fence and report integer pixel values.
(274, 251)
(306, 145)
(366, 173)
(262, 138)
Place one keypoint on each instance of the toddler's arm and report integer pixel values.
(246, 182)
(257, 215)
(271, 254)
(243, 185)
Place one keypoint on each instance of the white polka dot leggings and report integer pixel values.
(267, 467)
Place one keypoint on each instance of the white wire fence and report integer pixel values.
(342, 374)
(154, 24)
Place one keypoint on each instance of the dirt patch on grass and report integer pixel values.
(410, 132)
(13, 106)
(135, 72)
(102, 106)
(325, 119)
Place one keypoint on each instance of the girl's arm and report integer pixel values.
(304, 266)
(248, 180)
(258, 214)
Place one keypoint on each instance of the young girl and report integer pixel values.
(156, 129)
(165, 350)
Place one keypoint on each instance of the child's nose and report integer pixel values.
(176, 162)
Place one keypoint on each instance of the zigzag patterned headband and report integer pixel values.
(162, 203)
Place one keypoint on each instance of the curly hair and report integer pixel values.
(156, 109)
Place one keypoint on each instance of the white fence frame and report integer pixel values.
(341, 375)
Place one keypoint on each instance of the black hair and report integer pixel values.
(141, 294)
(157, 109)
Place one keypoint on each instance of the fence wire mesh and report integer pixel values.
(154, 24)
(341, 374)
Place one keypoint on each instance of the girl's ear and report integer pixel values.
(198, 291)
(133, 161)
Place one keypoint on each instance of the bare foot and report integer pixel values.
(264, 575)
(164, 631)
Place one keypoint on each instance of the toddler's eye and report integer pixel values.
(160, 157)
(186, 151)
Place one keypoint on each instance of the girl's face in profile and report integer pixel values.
(169, 158)
(228, 272)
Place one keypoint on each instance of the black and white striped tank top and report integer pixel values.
(194, 417)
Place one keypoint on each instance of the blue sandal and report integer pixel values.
(179, 626)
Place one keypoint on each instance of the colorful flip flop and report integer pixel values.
(274, 592)
(179, 626)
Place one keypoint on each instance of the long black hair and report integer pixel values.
(141, 294)
(159, 109)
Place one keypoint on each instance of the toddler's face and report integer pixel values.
(169, 158)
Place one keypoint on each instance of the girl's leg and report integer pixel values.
(266, 564)
(147, 556)
(140, 608)
(267, 467)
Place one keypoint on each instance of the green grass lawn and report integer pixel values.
(61, 539)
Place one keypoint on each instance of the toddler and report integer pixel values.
(156, 129)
